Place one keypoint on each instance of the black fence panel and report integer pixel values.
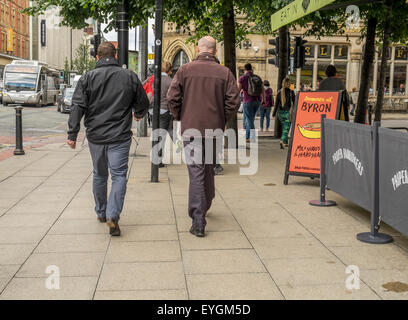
(394, 178)
(349, 165)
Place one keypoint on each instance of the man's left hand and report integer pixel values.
(71, 143)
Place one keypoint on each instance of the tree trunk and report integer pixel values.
(230, 57)
(283, 70)
(366, 71)
(381, 86)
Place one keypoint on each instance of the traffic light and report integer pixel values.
(274, 52)
(95, 41)
(300, 55)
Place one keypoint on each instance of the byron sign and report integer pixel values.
(304, 148)
(296, 10)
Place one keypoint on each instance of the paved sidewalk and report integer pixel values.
(263, 239)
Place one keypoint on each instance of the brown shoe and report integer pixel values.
(114, 229)
(102, 220)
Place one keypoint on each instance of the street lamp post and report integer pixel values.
(157, 85)
(123, 33)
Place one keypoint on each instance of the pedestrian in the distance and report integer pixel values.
(285, 100)
(254, 94)
(107, 97)
(332, 82)
(354, 100)
(166, 119)
(203, 96)
(265, 110)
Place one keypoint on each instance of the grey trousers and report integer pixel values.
(113, 158)
(201, 175)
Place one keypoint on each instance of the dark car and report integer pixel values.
(65, 102)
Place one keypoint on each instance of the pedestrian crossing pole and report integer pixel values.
(157, 87)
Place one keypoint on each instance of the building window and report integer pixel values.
(400, 78)
(180, 59)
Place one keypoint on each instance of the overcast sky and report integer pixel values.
(113, 36)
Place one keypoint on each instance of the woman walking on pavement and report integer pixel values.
(285, 99)
(265, 110)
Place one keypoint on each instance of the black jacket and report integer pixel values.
(289, 103)
(107, 96)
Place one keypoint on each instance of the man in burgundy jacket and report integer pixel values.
(203, 96)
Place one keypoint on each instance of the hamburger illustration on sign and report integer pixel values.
(311, 130)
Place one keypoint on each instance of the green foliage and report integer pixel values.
(83, 61)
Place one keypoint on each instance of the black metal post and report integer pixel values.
(123, 34)
(143, 61)
(19, 151)
(157, 85)
(374, 237)
(322, 202)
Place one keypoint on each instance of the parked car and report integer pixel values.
(65, 103)
(1, 91)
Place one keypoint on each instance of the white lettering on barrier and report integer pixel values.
(344, 153)
(400, 178)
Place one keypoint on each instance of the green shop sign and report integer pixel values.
(296, 10)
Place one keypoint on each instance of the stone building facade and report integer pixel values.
(345, 52)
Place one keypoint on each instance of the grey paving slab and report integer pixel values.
(129, 217)
(306, 271)
(15, 253)
(21, 235)
(142, 295)
(142, 276)
(6, 274)
(27, 221)
(388, 284)
(215, 240)
(287, 248)
(146, 251)
(74, 243)
(222, 261)
(69, 264)
(244, 286)
(71, 288)
(79, 227)
(328, 292)
(373, 257)
(148, 233)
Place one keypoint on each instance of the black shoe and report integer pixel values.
(114, 229)
(102, 219)
(197, 232)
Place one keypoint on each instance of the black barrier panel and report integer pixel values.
(394, 178)
(349, 161)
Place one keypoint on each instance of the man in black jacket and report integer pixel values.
(107, 96)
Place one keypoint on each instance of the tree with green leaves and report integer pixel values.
(83, 61)
(67, 69)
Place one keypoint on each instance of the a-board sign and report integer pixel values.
(304, 147)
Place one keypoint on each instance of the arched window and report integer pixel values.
(180, 59)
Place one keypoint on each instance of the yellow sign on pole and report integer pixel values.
(10, 40)
(296, 10)
(151, 56)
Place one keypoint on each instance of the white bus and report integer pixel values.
(30, 83)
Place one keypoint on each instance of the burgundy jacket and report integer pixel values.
(203, 95)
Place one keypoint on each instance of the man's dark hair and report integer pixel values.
(331, 71)
(106, 50)
(248, 67)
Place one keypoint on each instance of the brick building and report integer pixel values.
(15, 42)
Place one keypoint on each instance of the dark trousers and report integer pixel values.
(113, 157)
(166, 123)
(201, 174)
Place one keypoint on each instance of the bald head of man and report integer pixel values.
(207, 44)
